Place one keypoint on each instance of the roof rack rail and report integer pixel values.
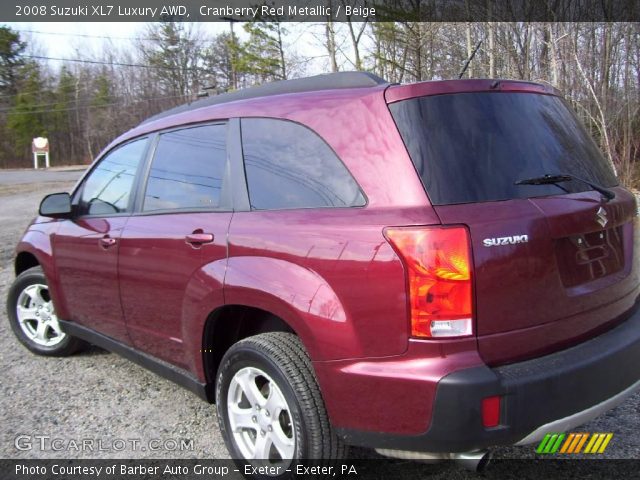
(327, 81)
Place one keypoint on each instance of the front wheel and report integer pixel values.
(33, 318)
(270, 409)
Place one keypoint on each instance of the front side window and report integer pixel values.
(289, 166)
(107, 189)
(187, 169)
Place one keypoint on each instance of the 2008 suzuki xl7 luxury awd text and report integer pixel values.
(439, 267)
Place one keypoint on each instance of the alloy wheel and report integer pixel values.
(37, 317)
(260, 418)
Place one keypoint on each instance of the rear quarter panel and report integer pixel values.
(329, 273)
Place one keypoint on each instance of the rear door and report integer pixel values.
(553, 262)
(180, 226)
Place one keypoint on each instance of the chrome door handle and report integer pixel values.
(107, 241)
(198, 238)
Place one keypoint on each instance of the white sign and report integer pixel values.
(40, 146)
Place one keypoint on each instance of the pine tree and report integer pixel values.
(261, 57)
(63, 115)
(101, 125)
(219, 61)
(10, 61)
(26, 118)
(175, 52)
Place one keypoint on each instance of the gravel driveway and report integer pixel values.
(97, 395)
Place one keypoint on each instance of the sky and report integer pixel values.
(63, 38)
(84, 39)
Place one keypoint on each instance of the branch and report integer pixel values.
(598, 106)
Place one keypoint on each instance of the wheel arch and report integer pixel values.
(24, 261)
(35, 250)
(248, 295)
(229, 324)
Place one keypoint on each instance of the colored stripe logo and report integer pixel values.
(574, 443)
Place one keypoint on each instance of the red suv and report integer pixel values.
(428, 269)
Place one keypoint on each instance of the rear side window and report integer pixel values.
(473, 147)
(289, 166)
(187, 169)
(107, 189)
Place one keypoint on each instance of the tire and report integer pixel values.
(36, 324)
(264, 361)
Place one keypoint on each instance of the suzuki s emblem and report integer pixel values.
(601, 217)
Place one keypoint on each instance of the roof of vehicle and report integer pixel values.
(283, 98)
(329, 81)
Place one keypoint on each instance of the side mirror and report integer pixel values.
(56, 205)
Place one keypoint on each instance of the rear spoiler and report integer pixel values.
(396, 93)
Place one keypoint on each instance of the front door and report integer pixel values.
(85, 248)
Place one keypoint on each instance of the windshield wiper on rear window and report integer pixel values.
(565, 177)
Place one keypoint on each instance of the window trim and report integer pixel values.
(225, 197)
(239, 186)
(324, 207)
(78, 190)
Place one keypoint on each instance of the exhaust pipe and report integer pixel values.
(473, 461)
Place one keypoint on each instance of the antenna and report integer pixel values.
(473, 54)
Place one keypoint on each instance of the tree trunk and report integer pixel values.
(492, 60)
(331, 45)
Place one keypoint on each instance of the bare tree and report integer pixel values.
(330, 40)
(356, 36)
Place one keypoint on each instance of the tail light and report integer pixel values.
(437, 263)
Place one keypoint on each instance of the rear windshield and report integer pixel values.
(473, 147)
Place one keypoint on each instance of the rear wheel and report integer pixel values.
(270, 409)
(33, 318)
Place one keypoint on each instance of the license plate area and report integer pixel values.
(589, 256)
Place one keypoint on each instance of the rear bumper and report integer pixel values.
(551, 393)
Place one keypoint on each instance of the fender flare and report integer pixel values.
(38, 244)
(299, 296)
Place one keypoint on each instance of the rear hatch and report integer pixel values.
(553, 262)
